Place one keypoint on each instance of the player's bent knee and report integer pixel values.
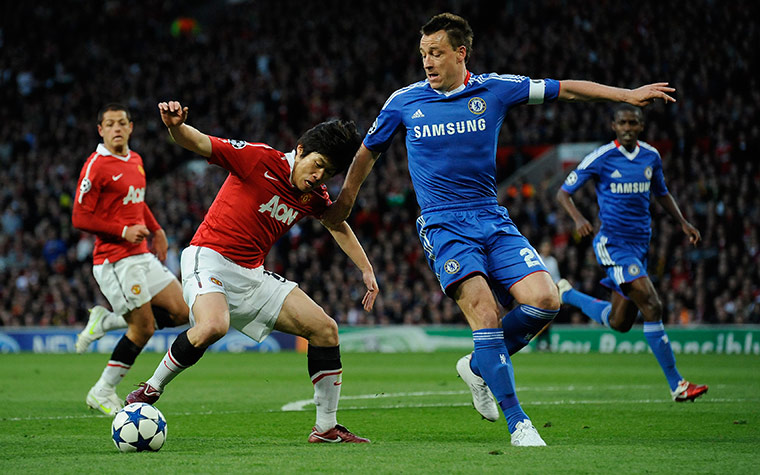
(324, 334)
(547, 301)
(211, 331)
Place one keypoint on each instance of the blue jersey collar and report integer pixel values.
(626, 153)
(454, 91)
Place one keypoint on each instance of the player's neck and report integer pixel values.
(120, 151)
(462, 79)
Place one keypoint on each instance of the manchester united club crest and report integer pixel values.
(305, 198)
(136, 289)
(215, 281)
(141, 170)
(476, 105)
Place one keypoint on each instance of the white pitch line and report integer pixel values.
(301, 405)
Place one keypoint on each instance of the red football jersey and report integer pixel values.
(111, 196)
(257, 203)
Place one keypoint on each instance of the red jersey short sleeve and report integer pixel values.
(111, 195)
(257, 203)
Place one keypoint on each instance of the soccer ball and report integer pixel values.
(138, 427)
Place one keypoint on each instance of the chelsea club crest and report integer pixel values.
(451, 266)
(476, 105)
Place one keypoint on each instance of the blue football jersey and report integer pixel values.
(451, 137)
(623, 183)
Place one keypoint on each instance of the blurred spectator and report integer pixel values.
(709, 139)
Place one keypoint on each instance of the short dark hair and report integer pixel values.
(337, 140)
(625, 107)
(456, 28)
(113, 106)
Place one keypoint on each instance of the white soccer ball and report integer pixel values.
(138, 427)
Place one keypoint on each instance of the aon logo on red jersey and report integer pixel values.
(280, 212)
(134, 195)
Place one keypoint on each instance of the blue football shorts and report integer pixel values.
(623, 261)
(460, 243)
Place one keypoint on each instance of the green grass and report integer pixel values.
(597, 413)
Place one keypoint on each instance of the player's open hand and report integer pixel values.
(172, 113)
(372, 290)
(692, 232)
(647, 94)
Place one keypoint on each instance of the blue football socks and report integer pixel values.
(658, 341)
(492, 362)
(522, 324)
(595, 309)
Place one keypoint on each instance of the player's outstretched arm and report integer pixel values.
(174, 116)
(362, 164)
(582, 225)
(588, 91)
(346, 239)
(669, 203)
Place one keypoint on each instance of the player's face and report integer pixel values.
(310, 171)
(444, 65)
(627, 126)
(115, 130)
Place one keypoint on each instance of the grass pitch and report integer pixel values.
(251, 413)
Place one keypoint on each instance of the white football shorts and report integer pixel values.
(254, 296)
(132, 282)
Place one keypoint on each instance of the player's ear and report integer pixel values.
(100, 130)
(299, 151)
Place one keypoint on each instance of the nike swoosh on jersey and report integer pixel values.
(116, 177)
(267, 175)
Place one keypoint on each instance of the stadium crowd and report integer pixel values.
(261, 71)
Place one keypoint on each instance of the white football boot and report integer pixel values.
(482, 399)
(525, 435)
(104, 400)
(563, 286)
(93, 330)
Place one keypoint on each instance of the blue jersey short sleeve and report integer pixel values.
(587, 169)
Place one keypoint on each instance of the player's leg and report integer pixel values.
(490, 358)
(453, 260)
(169, 307)
(595, 309)
(209, 316)
(643, 293)
(538, 304)
(100, 321)
(301, 316)
(102, 396)
(124, 285)
(516, 271)
(622, 313)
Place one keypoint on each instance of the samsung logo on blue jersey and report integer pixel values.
(450, 128)
(635, 187)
